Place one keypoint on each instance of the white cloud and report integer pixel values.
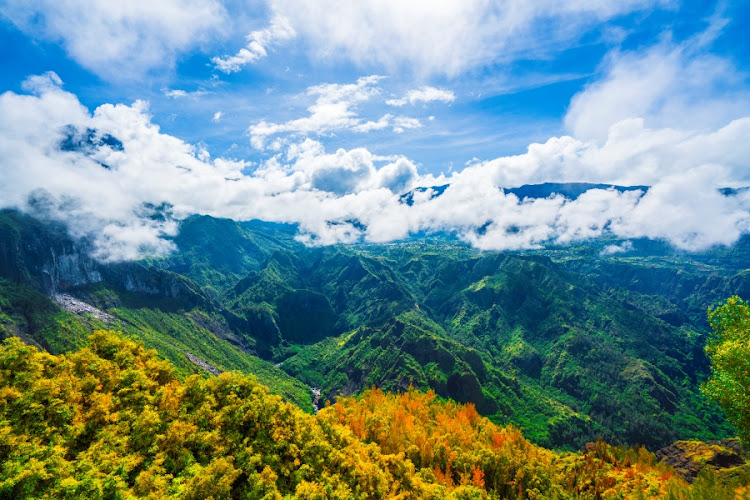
(401, 123)
(631, 155)
(258, 43)
(180, 94)
(109, 193)
(42, 83)
(120, 40)
(369, 126)
(445, 36)
(217, 116)
(626, 246)
(423, 94)
(687, 209)
(335, 109)
(667, 85)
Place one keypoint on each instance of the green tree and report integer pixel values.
(728, 349)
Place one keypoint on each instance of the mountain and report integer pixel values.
(568, 343)
(218, 252)
(52, 294)
(651, 273)
(524, 338)
(569, 190)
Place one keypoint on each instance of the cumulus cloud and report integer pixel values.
(217, 116)
(401, 123)
(119, 39)
(445, 36)
(334, 109)
(626, 246)
(423, 94)
(123, 184)
(258, 43)
(667, 85)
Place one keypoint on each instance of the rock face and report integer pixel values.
(202, 363)
(689, 458)
(43, 255)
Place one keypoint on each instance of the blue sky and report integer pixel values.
(408, 93)
(501, 105)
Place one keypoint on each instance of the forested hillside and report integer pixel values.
(112, 420)
(549, 341)
(42, 267)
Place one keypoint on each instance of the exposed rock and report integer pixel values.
(66, 270)
(43, 255)
(75, 306)
(201, 363)
(689, 458)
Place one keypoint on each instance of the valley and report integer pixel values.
(567, 344)
(293, 250)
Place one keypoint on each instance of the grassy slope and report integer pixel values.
(36, 319)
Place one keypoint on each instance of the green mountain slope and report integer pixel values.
(599, 367)
(585, 361)
(216, 253)
(167, 311)
(568, 349)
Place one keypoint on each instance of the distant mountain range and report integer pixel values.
(570, 190)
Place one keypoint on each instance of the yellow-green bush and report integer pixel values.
(113, 421)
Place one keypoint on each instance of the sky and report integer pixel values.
(121, 120)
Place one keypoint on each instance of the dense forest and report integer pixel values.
(438, 370)
(112, 420)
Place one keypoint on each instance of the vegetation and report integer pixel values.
(522, 339)
(614, 350)
(729, 351)
(111, 420)
(218, 263)
(185, 338)
(30, 315)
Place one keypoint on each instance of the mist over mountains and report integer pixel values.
(102, 174)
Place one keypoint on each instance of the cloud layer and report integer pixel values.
(105, 36)
(445, 36)
(115, 178)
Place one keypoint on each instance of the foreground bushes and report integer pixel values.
(113, 421)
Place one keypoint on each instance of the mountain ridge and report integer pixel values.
(522, 335)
